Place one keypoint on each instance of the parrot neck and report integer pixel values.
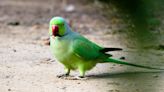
(68, 29)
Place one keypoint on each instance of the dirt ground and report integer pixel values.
(26, 63)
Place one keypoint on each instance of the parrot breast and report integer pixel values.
(61, 50)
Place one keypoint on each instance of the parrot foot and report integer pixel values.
(62, 75)
(75, 78)
(80, 78)
(72, 78)
(67, 77)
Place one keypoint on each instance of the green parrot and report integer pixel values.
(77, 52)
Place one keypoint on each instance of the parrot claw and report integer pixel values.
(67, 77)
(62, 75)
(75, 78)
(80, 78)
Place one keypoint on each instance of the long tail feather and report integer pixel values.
(129, 64)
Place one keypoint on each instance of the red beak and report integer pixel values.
(55, 30)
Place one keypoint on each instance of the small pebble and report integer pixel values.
(7, 76)
(47, 59)
(15, 23)
(123, 58)
(46, 42)
(52, 60)
(9, 89)
(14, 50)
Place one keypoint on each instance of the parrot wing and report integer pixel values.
(88, 50)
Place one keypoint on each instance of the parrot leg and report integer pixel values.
(67, 71)
(64, 75)
(81, 77)
(82, 73)
(67, 77)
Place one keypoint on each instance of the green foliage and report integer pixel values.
(141, 14)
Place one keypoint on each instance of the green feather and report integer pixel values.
(110, 60)
(87, 50)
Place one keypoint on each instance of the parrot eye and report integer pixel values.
(62, 24)
(55, 30)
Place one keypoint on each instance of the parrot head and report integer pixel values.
(58, 26)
